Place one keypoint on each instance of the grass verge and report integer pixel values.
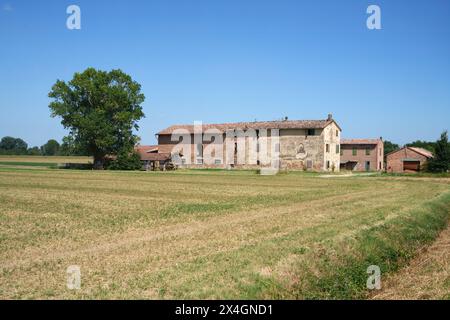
(390, 246)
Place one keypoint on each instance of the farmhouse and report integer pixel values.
(296, 144)
(407, 159)
(362, 154)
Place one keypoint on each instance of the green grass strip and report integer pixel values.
(389, 246)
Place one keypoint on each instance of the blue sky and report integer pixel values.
(221, 61)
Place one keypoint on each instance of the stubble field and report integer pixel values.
(209, 234)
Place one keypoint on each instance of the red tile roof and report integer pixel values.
(151, 153)
(286, 124)
(155, 156)
(360, 141)
(422, 151)
(144, 149)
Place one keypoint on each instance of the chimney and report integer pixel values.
(330, 117)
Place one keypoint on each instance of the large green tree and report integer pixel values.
(100, 109)
(441, 160)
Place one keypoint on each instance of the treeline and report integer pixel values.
(17, 146)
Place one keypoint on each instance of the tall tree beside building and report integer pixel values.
(441, 160)
(100, 109)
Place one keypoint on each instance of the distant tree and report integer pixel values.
(441, 160)
(11, 145)
(422, 144)
(35, 151)
(51, 148)
(8, 143)
(100, 109)
(389, 147)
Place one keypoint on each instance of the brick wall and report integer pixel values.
(394, 161)
(375, 156)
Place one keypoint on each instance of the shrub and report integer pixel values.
(126, 161)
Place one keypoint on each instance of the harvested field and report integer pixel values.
(208, 234)
(43, 159)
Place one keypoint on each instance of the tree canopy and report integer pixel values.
(11, 145)
(51, 148)
(100, 109)
(390, 146)
(441, 160)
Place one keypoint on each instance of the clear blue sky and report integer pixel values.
(230, 60)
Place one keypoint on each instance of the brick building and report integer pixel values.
(407, 159)
(151, 158)
(299, 144)
(362, 154)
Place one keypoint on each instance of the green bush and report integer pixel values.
(126, 161)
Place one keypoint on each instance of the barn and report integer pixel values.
(407, 159)
(151, 158)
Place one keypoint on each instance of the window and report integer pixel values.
(199, 161)
(327, 148)
(337, 133)
(367, 152)
(328, 164)
(309, 164)
(183, 161)
(354, 151)
(311, 132)
(217, 161)
(338, 147)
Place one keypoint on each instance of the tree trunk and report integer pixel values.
(99, 162)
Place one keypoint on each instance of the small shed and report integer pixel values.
(407, 159)
(151, 158)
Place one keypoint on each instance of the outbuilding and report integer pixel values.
(407, 159)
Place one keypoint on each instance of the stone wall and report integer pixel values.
(300, 151)
(332, 137)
